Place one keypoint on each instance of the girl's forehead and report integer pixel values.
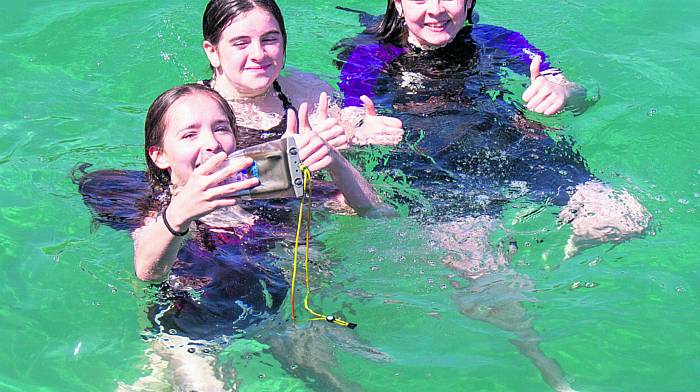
(252, 20)
(192, 106)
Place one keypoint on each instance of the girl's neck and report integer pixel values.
(261, 111)
(231, 94)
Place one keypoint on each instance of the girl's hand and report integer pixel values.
(377, 129)
(314, 152)
(543, 95)
(327, 127)
(203, 193)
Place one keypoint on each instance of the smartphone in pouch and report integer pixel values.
(276, 165)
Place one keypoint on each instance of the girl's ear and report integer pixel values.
(158, 157)
(212, 54)
(399, 7)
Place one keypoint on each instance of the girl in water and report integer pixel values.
(466, 143)
(212, 256)
(245, 42)
(471, 151)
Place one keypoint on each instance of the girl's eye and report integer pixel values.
(189, 135)
(270, 40)
(223, 129)
(239, 44)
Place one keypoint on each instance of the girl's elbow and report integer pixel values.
(146, 274)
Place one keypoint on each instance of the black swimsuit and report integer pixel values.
(466, 147)
(250, 136)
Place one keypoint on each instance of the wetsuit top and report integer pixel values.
(250, 136)
(224, 280)
(467, 148)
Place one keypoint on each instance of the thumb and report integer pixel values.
(323, 106)
(292, 123)
(304, 125)
(535, 68)
(369, 105)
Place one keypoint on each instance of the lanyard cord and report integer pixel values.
(306, 199)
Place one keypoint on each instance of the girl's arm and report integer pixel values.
(156, 246)
(361, 126)
(316, 154)
(356, 190)
(550, 91)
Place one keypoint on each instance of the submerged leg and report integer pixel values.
(160, 378)
(469, 250)
(599, 214)
(308, 351)
(178, 365)
(495, 295)
(498, 300)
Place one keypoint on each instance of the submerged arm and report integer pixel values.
(155, 248)
(357, 191)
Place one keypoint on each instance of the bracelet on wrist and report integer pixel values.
(170, 228)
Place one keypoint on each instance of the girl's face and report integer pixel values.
(249, 55)
(432, 23)
(196, 128)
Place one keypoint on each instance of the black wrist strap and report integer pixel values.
(170, 228)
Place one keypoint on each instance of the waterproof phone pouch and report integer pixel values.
(276, 165)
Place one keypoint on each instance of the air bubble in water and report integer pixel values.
(651, 112)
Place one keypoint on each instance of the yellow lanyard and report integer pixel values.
(306, 198)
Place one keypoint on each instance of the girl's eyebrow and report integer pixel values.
(188, 127)
(221, 121)
(271, 32)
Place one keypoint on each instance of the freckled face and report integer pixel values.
(433, 23)
(195, 129)
(249, 55)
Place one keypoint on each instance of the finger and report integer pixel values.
(323, 106)
(321, 164)
(392, 122)
(292, 123)
(369, 105)
(332, 132)
(535, 68)
(530, 92)
(211, 164)
(304, 125)
(310, 147)
(317, 155)
(340, 142)
(228, 190)
(538, 99)
(551, 105)
(234, 166)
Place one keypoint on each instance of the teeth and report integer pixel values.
(436, 25)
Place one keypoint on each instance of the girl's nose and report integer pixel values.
(209, 143)
(434, 7)
(256, 51)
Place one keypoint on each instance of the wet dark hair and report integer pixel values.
(220, 13)
(392, 28)
(154, 128)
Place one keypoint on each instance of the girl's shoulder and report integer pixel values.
(302, 86)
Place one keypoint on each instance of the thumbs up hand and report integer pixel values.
(544, 95)
(314, 152)
(328, 127)
(376, 129)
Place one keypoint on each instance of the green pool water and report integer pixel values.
(77, 78)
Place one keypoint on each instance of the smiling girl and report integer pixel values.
(245, 42)
(211, 255)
